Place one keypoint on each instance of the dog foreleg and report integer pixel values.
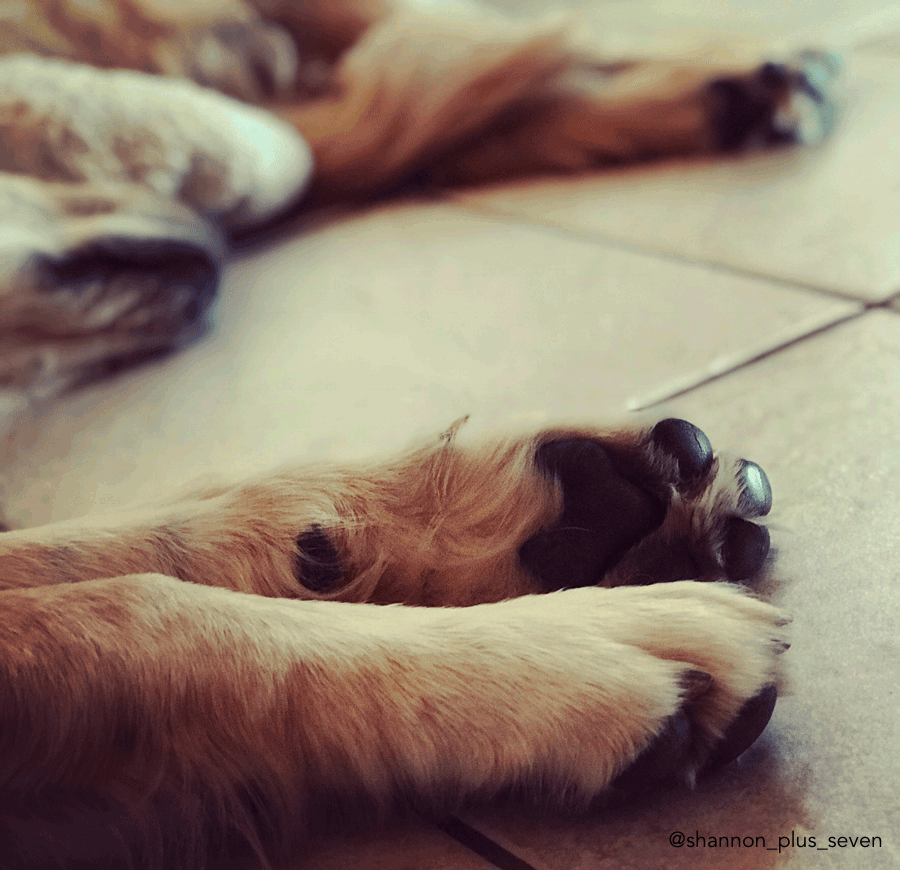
(214, 712)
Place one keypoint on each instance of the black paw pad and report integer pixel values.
(743, 110)
(756, 491)
(604, 515)
(686, 443)
(744, 731)
(745, 549)
(317, 564)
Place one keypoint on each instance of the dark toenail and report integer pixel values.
(686, 443)
(743, 732)
(746, 547)
(317, 564)
(660, 760)
(756, 493)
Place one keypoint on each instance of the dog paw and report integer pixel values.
(729, 643)
(657, 506)
(251, 60)
(105, 304)
(787, 103)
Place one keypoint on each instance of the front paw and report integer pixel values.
(729, 643)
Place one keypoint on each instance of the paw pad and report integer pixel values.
(756, 494)
(661, 761)
(317, 564)
(687, 444)
(604, 514)
(670, 754)
(745, 549)
(616, 495)
(791, 102)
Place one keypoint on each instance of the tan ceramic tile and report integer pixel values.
(823, 419)
(814, 21)
(358, 337)
(885, 44)
(825, 218)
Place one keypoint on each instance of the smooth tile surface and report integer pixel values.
(823, 419)
(888, 45)
(823, 218)
(389, 326)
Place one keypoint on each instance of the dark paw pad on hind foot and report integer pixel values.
(604, 514)
(746, 544)
(756, 491)
(614, 503)
(317, 564)
(745, 549)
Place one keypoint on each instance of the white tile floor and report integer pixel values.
(583, 299)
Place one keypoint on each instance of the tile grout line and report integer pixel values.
(659, 253)
(665, 396)
(481, 845)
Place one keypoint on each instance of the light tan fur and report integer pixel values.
(149, 697)
(161, 695)
(185, 710)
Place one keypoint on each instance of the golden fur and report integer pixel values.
(168, 715)
(169, 689)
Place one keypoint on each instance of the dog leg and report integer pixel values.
(448, 524)
(215, 713)
(466, 95)
(596, 115)
(223, 44)
(117, 187)
(416, 85)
